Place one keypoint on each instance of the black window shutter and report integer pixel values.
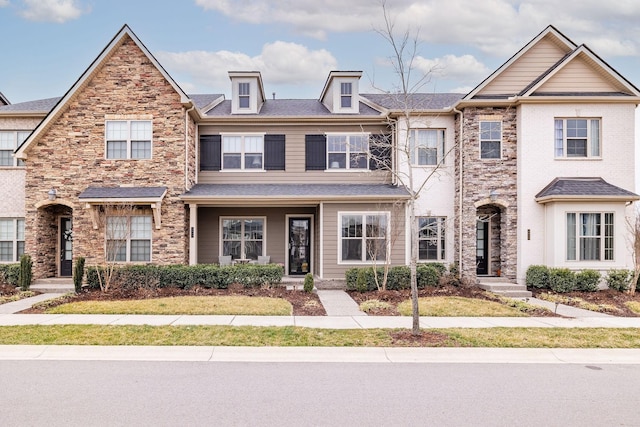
(315, 152)
(274, 152)
(210, 149)
(380, 149)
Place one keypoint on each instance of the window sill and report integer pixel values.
(241, 170)
(574, 159)
(336, 170)
(8, 168)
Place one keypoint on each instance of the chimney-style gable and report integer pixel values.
(247, 92)
(340, 93)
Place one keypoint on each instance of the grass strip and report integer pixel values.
(459, 306)
(297, 336)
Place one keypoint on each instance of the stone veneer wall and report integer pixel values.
(70, 156)
(479, 178)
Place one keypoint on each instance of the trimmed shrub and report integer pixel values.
(307, 285)
(562, 280)
(362, 279)
(26, 272)
(399, 278)
(537, 276)
(619, 279)
(78, 274)
(9, 274)
(587, 280)
(429, 274)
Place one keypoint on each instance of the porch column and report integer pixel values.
(193, 233)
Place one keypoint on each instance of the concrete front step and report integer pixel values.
(504, 288)
(56, 285)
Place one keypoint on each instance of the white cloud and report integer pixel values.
(465, 68)
(58, 11)
(4, 3)
(280, 63)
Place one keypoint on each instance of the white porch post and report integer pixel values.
(193, 233)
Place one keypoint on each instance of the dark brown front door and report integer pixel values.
(66, 247)
(482, 247)
(299, 245)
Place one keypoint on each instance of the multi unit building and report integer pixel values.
(533, 166)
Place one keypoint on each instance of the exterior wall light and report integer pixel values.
(52, 194)
(493, 195)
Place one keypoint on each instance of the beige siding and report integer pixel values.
(578, 76)
(525, 69)
(333, 268)
(294, 158)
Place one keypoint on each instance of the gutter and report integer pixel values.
(460, 186)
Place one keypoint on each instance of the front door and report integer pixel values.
(482, 247)
(66, 247)
(299, 246)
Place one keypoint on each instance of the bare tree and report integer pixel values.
(380, 249)
(633, 223)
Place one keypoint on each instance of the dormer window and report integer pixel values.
(346, 90)
(244, 95)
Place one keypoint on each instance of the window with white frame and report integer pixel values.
(242, 238)
(431, 238)
(348, 151)
(128, 238)
(427, 146)
(590, 236)
(9, 141)
(11, 239)
(490, 140)
(577, 138)
(346, 95)
(244, 95)
(242, 152)
(364, 236)
(128, 139)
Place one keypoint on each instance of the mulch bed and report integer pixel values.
(605, 296)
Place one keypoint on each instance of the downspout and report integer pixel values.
(186, 147)
(460, 183)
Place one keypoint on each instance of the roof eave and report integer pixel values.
(241, 200)
(586, 198)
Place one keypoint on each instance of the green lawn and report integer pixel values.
(459, 306)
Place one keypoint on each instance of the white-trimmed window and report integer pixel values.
(577, 138)
(363, 236)
(490, 140)
(346, 95)
(11, 239)
(348, 151)
(427, 146)
(128, 238)
(590, 236)
(242, 152)
(242, 238)
(9, 141)
(431, 238)
(244, 95)
(128, 139)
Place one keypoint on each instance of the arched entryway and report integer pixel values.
(53, 252)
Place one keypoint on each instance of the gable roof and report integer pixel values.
(3, 99)
(117, 40)
(583, 189)
(31, 107)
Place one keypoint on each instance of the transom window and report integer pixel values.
(577, 138)
(128, 139)
(427, 146)
(11, 239)
(243, 238)
(348, 151)
(490, 140)
(431, 238)
(364, 236)
(244, 95)
(242, 151)
(589, 236)
(346, 91)
(128, 238)
(9, 141)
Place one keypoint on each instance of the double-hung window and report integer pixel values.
(243, 238)
(128, 238)
(431, 238)
(577, 138)
(590, 236)
(427, 146)
(348, 151)
(244, 95)
(128, 139)
(364, 236)
(9, 141)
(490, 140)
(346, 95)
(242, 152)
(11, 239)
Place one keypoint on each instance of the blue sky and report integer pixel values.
(47, 44)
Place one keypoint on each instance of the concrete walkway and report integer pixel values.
(339, 303)
(23, 304)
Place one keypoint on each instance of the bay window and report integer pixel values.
(590, 236)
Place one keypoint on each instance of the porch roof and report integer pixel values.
(113, 193)
(292, 193)
(583, 189)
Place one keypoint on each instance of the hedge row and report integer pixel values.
(565, 280)
(9, 274)
(186, 276)
(362, 279)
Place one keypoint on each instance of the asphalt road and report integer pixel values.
(108, 393)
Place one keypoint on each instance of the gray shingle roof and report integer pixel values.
(296, 190)
(39, 105)
(203, 100)
(419, 101)
(288, 108)
(591, 187)
(122, 192)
